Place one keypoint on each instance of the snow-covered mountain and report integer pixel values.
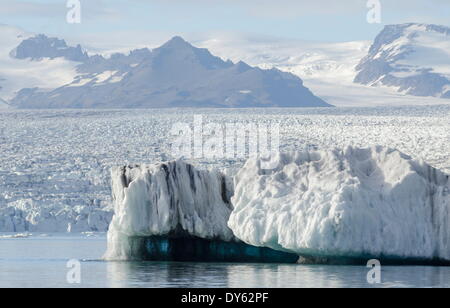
(412, 58)
(42, 72)
(16, 74)
(327, 68)
(41, 46)
(176, 74)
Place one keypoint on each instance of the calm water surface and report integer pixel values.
(40, 261)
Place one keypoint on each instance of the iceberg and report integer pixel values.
(174, 212)
(346, 204)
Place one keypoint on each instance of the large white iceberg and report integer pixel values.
(166, 199)
(172, 211)
(351, 203)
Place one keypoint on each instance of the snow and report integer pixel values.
(345, 203)
(167, 199)
(326, 68)
(161, 81)
(117, 78)
(18, 74)
(79, 81)
(102, 77)
(431, 50)
(27, 215)
(16, 235)
(412, 59)
(3, 104)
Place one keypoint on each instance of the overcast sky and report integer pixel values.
(136, 20)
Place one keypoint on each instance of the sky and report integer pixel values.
(143, 21)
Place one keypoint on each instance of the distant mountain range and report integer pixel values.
(405, 64)
(176, 74)
(412, 58)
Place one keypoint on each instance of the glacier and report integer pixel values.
(28, 215)
(174, 212)
(346, 204)
(61, 160)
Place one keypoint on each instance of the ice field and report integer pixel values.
(55, 165)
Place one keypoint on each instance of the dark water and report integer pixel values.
(40, 261)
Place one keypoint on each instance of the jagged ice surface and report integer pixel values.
(349, 203)
(62, 159)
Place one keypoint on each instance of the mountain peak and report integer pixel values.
(177, 74)
(176, 42)
(42, 46)
(392, 60)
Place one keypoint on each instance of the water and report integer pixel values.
(40, 261)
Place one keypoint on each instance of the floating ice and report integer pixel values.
(351, 203)
(16, 235)
(171, 211)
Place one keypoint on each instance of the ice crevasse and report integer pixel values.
(345, 203)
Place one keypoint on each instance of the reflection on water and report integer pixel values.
(203, 275)
(41, 262)
(166, 274)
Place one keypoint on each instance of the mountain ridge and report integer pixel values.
(414, 58)
(176, 74)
